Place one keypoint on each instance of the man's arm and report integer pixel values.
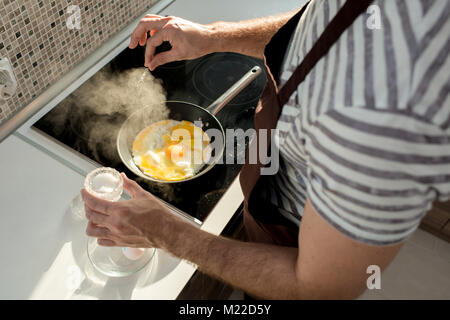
(327, 265)
(191, 40)
(247, 37)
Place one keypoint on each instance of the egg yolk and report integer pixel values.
(175, 152)
(178, 156)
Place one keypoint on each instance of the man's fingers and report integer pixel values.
(156, 40)
(162, 58)
(112, 243)
(132, 187)
(139, 35)
(136, 37)
(95, 217)
(97, 204)
(93, 230)
(106, 243)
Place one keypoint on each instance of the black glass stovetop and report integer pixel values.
(198, 81)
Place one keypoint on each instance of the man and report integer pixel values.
(364, 143)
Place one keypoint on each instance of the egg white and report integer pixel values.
(183, 159)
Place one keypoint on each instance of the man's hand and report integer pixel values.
(139, 222)
(189, 40)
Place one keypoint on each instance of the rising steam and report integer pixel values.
(97, 110)
(99, 107)
(133, 89)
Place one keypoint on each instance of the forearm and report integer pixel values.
(261, 270)
(246, 37)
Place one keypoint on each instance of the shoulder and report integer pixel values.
(374, 174)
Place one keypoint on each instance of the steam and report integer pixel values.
(133, 89)
(165, 188)
(101, 105)
(97, 110)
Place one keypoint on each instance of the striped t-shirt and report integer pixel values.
(366, 136)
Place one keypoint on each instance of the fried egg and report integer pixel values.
(171, 150)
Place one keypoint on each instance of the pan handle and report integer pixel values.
(232, 92)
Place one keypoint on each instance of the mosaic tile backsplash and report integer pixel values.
(42, 41)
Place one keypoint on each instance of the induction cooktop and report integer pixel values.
(198, 81)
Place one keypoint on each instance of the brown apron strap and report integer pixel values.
(343, 19)
(279, 43)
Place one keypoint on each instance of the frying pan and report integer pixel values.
(180, 110)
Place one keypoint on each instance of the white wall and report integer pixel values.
(229, 10)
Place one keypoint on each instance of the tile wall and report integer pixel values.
(42, 41)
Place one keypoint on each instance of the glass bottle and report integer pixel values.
(107, 184)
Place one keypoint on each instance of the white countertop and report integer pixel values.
(207, 11)
(43, 250)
